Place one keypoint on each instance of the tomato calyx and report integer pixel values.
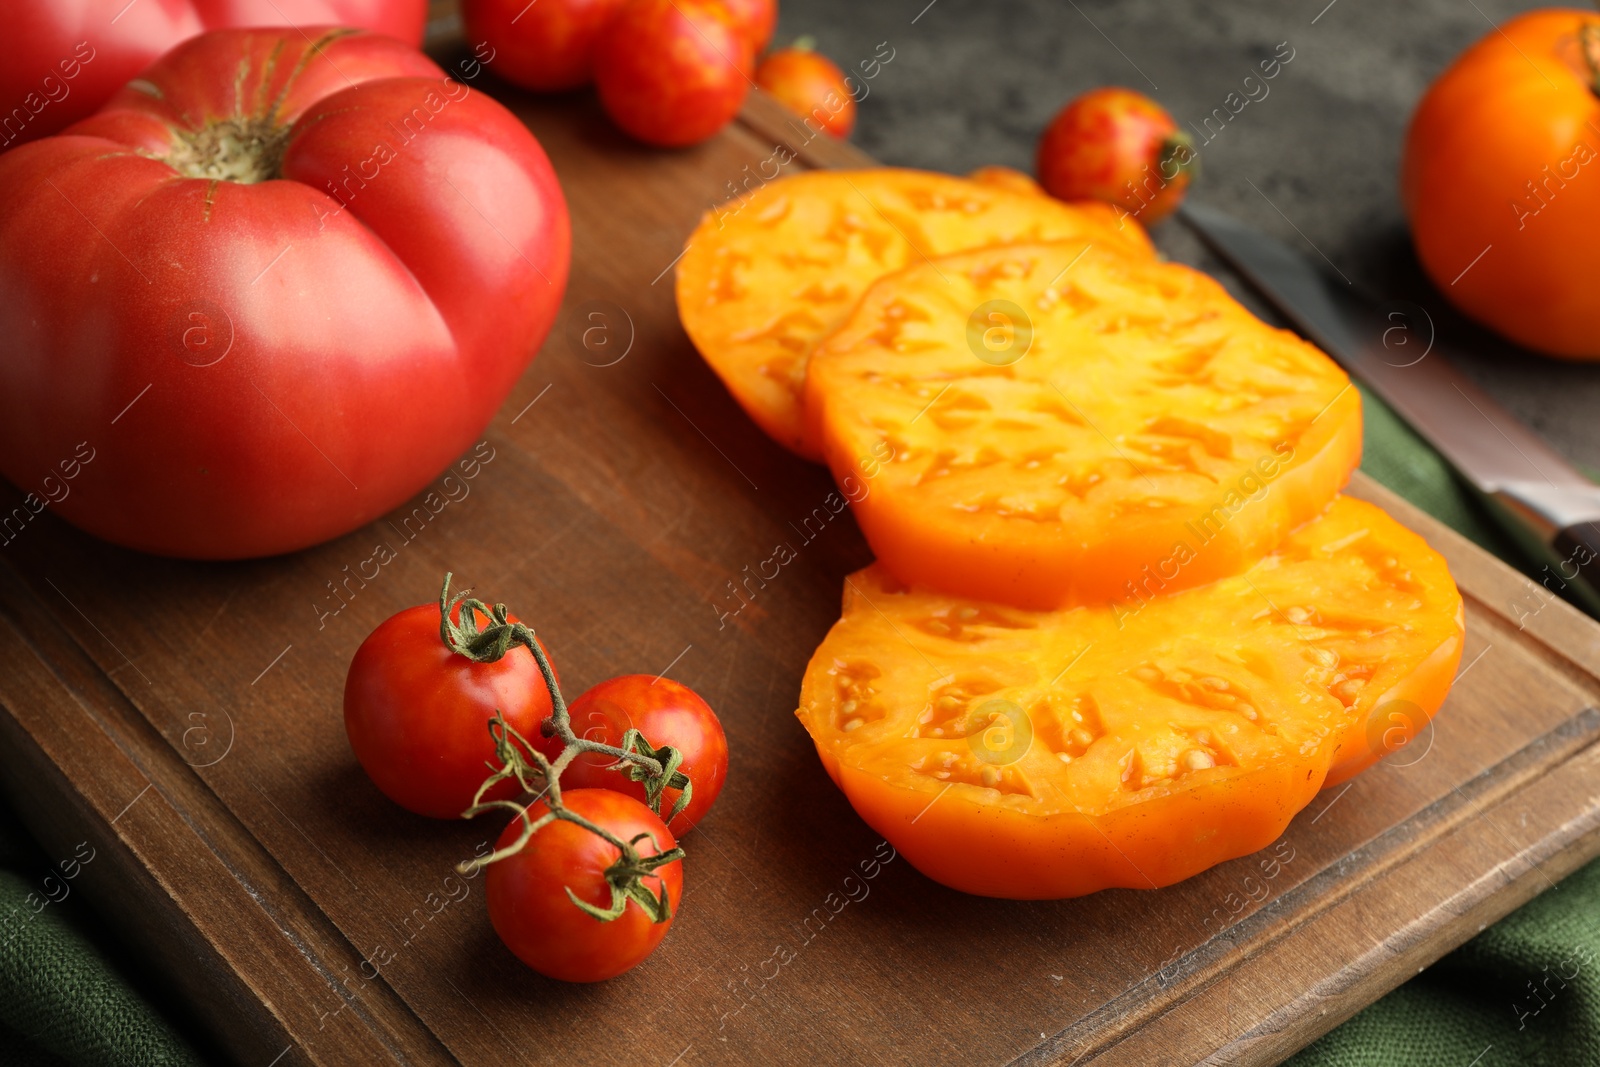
(656, 784)
(625, 877)
(1178, 156)
(244, 149)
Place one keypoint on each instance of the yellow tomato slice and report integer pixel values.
(1056, 424)
(765, 277)
(1037, 755)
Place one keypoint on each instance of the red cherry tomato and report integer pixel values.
(64, 58)
(811, 86)
(1119, 146)
(527, 892)
(545, 46)
(417, 714)
(666, 713)
(756, 19)
(673, 72)
(292, 276)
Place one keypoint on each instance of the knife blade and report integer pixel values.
(1549, 507)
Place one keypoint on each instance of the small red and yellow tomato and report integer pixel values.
(811, 85)
(673, 72)
(1121, 147)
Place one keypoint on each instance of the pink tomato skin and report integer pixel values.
(67, 57)
(261, 366)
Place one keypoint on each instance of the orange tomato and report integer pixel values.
(1120, 147)
(767, 275)
(1056, 424)
(810, 85)
(1501, 182)
(1036, 755)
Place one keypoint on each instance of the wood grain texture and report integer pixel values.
(185, 719)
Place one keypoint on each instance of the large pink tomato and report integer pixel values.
(64, 58)
(276, 285)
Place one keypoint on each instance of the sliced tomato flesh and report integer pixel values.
(1060, 423)
(769, 274)
(1030, 754)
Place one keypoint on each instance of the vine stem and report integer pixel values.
(515, 764)
(520, 760)
(491, 644)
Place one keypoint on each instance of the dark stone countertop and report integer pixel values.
(975, 82)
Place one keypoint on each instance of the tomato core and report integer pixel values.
(245, 149)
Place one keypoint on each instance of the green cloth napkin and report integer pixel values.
(1526, 991)
(67, 995)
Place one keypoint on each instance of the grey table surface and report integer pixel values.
(973, 82)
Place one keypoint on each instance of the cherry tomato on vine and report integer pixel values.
(417, 713)
(527, 892)
(810, 85)
(1119, 146)
(545, 46)
(666, 713)
(673, 72)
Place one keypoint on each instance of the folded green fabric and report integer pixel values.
(1527, 990)
(63, 1001)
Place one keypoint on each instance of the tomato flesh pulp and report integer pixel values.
(767, 276)
(1056, 424)
(1037, 755)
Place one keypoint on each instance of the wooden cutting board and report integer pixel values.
(183, 720)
